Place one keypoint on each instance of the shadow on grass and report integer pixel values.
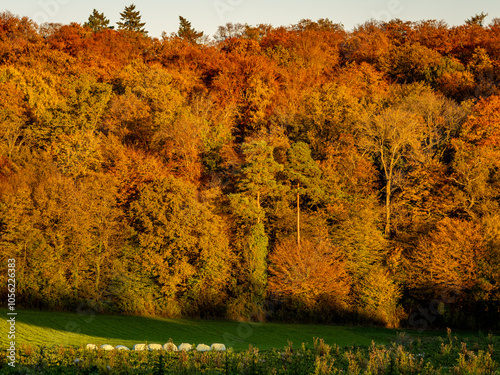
(76, 329)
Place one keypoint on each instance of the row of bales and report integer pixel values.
(169, 347)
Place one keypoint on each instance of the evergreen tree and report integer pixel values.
(257, 180)
(187, 32)
(259, 171)
(131, 20)
(304, 175)
(97, 21)
(477, 20)
(255, 256)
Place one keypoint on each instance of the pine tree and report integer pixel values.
(131, 20)
(187, 32)
(477, 20)
(97, 21)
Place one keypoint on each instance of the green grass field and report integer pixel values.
(72, 329)
(49, 342)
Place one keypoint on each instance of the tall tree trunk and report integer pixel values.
(258, 205)
(388, 207)
(298, 216)
(98, 269)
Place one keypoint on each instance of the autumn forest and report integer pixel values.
(301, 173)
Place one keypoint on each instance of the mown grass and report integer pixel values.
(42, 328)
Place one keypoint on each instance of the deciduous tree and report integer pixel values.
(308, 273)
(449, 259)
(391, 136)
(185, 249)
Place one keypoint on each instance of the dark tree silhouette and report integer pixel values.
(131, 20)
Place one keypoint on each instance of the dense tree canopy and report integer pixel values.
(302, 172)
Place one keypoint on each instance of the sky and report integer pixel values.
(207, 15)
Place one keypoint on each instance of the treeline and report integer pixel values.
(297, 173)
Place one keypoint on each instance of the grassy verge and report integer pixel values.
(42, 328)
(435, 355)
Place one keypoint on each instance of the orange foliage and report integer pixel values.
(72, 39)
(449, 259)
(368, 43)
(307, 273)
(482, 128)
(117, 110)
(16, 35)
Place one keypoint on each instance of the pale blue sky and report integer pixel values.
(207, 15)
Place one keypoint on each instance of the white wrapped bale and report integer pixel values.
(186, 347)
(155, 347)
(140, 347)
(121, 347)
(107, 347)
(218, 347)
(91, 347)
(203, 348)
(170, 347)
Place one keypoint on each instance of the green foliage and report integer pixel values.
(245, 210)
(187, 32)
(303, 173)
(477, 20)
(255, 255)
(214, 139)
(359, 236)
(379, 297)
(131, 21)
(258, 173)
(185, 249)
(97, 22)
(251, 246)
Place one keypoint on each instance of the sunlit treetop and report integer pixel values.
(131, 20)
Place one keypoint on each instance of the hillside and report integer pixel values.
(298, 174)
